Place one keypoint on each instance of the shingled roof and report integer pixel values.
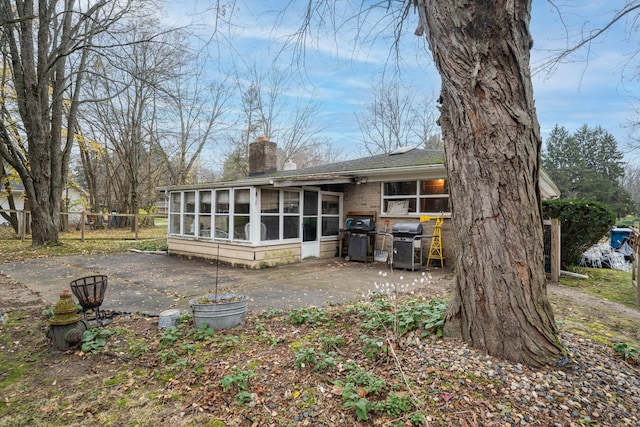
(400, 158)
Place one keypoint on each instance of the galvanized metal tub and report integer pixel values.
(220, 312)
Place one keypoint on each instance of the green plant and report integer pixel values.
(402, 318)
(309, 315)
(167, 354)
(304, 357)
(318, 361)
(627, 352)
(373, 348)
(188, 347)
(417, 419)
(238, 378)
(272, 340)
(243, 397)
(185, 317)
(138, 349)
(395, 404)
(229, 341)
(271, 312)
(202, 333)
(181, 363)
(330, 342)
(370, 382)
(94, 339)
(171, 335)
(432, 316)
(351, 399)
(583, 223)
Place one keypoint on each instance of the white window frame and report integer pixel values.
(281, 214)
(323, 215)
(417, 197)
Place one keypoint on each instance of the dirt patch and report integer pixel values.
(15, 296)
(581, 299)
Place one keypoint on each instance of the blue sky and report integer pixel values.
(595, 86)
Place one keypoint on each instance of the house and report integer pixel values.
(274, 217)
(73, 197)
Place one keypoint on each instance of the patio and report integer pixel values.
(151, 283)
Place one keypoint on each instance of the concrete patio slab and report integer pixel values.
(151, 283)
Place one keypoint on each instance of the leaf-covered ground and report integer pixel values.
(372, 363)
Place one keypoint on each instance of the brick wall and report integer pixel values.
(367, 197)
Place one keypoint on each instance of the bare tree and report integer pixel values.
(315, 155)
(191, 109)
(394, 119)
(425, 123)
(631, 182)
(128, 86)
(48, 44)
(386, 123)
(581, 40)
(266, 111)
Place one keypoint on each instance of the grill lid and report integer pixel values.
(407, 229)
(362, 224)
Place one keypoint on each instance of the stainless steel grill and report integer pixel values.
(406, 239)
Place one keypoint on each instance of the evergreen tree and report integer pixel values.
(587, 165)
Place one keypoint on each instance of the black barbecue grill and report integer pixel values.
(406, 239)
(361, 235)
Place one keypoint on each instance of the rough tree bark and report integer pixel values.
(492, 144)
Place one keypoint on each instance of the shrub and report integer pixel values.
(583, 224)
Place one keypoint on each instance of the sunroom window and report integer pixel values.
(330, 215)
(221, 215)
(175, 211)
(270, 214)
(189, 213)
(204, 212)
(279, 214)
(241, 206)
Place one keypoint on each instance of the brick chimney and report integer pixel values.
(262, 156)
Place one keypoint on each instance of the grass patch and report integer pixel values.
(96, 241)
(604, 324)
(611, 285)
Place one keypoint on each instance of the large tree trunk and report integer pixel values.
(492, 144)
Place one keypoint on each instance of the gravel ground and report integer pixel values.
(596, 388)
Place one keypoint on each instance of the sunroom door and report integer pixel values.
(310, 230)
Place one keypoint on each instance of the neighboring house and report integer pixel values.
(273, 217)
(73, 198)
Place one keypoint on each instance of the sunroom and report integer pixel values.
(254, 225)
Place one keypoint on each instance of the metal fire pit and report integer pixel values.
(90, 293)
